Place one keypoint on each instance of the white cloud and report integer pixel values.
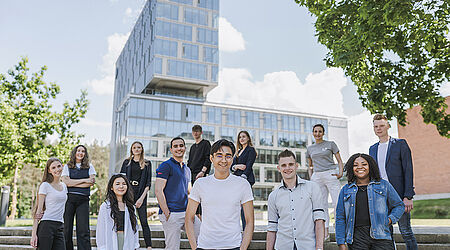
(131, 15)
(230, 39)
(445, 89)
(319, 94)
(105, 85)
(283, 90)
(360, 133)
(90, 122)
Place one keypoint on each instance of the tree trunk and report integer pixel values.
(14, 194)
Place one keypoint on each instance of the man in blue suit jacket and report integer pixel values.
(394, 160)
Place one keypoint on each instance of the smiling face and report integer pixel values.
(287, 166)
(243, 139)
(178, 148)
(361, 168)
(55, 169)
(381, 127)
(222, 159)
(318, 133)
(136, 148)
(79, 155)
(119, 186)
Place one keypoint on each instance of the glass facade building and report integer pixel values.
(163, 74)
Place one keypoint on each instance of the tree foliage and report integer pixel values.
(397, 52)
(99, 156)
(28, 118)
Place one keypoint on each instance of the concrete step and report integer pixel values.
(19, 238)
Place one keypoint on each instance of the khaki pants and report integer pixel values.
(172, 229)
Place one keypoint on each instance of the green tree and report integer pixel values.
(28, 118)
(396, 52)
(99, 156)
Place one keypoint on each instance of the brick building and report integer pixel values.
(430, 151)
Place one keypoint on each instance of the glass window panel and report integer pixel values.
(208, 133)
(155, 125)
(141, 107)
(193, 113)
(261, 156)
(189, 2)
(131, 126)
(168, 11)
(139, 126)
(148, 108)
(158, 65)
(190, 51)
(266, 138)
(147, 127)
(155, 109)
(133, 107)
(162, 128)
(153, 149)
(169, 129)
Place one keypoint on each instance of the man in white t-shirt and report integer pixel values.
(221, 196)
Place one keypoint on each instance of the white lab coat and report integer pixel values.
(106, 236)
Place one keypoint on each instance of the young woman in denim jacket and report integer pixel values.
(366, 208)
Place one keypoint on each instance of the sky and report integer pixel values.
(269, 57)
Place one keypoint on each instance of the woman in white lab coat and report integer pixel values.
(117, 224)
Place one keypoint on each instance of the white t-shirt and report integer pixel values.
(221, 202)
(55, 201)
(65, 171)
(381, 158)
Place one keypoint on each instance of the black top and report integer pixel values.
(247, 158)
(136, 171)
(121, 221)
(146, 175)
(362, 217)
(199, 157)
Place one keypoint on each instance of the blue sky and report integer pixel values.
(264, 46)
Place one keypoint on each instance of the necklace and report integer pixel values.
(362, 188)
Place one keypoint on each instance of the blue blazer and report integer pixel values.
(399, 167)
(247, 158)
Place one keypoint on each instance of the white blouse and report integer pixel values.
(106, 235)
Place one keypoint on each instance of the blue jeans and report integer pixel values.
(404, 224)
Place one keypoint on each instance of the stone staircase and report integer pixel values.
(429, 238)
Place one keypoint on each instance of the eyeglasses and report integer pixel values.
(227, 157)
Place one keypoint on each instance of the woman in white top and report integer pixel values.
(320, 160)
(117, 223)
(48, 226)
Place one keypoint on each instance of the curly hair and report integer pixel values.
(72, 161)
(374, 172)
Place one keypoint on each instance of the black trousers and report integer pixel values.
(142, 213)
(78, 205)
(363, 241)
(50, 235)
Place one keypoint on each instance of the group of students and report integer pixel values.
(210, 207)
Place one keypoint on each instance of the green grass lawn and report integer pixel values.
(431, 209)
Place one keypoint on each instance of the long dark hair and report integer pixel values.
(46, 177)
(128, 199)
(141, 158)
(374, 172)
(72, 161)
(238, 143)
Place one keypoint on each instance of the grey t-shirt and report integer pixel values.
(322, 155)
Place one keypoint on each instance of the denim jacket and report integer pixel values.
(384, 203)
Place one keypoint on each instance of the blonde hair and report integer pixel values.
(141, 158)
